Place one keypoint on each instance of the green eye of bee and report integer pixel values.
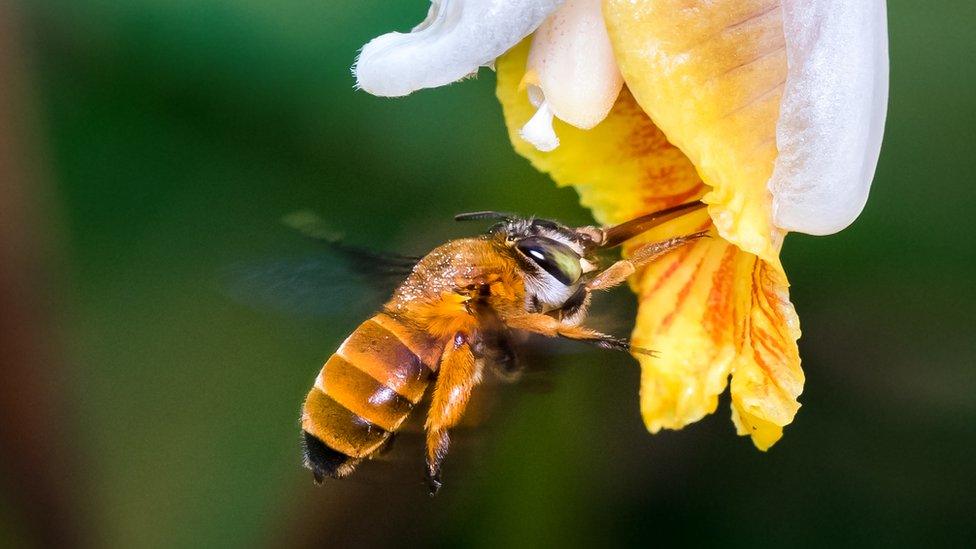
(554, 257)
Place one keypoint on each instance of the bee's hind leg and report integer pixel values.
(459, 372)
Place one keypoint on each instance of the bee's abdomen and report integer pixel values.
(362, 395)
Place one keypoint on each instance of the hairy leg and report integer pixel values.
(456, 377)
(492, 344)
(546, 325)
(621, 270)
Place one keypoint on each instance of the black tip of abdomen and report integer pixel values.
(324, 461)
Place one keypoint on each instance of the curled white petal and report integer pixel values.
(457, 38)
(832, 113)
(572, 62)
(538, 130)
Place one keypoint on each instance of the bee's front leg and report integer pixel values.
(620, 271)
(459, 372)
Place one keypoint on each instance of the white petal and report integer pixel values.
(832, 113)
(574, 65)
(457, 38)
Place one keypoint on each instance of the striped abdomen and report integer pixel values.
(362, 395)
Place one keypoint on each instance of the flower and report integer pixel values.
(770, 111)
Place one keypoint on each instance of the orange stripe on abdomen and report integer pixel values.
(379, 352)
(338, 427)
(367, 388)
(363, 395)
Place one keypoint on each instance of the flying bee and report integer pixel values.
(453, 314)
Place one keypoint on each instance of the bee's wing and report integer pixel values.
(336, 279)
(312, 285)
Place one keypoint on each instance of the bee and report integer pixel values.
(453, 314)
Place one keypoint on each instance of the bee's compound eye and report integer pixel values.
(554, 257)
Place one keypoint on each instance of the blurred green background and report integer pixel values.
(174, 134)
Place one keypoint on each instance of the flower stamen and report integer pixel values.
(538, 130)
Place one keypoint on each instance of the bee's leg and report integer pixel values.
(456, 377)
(498, 355)
(548, 326)
(505, 360)
(492, 344)
(621, 270)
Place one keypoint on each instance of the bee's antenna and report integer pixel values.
(480, 216)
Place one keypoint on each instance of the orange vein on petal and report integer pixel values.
(767, 378)
(711, 74)
(680, 298)
(682, 384)
(720, 307)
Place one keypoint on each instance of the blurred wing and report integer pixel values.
(338, 280)
(362, 260)
(318, 285)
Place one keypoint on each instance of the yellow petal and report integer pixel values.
(709, 310)
(767, 378)
(687, 316)
(711, 74)
(622, 168)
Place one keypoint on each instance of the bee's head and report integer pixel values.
(554, 257)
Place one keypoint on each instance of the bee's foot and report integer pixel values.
(433, 483)
(613, 343)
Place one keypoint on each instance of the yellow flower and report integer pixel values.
(771, 111)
